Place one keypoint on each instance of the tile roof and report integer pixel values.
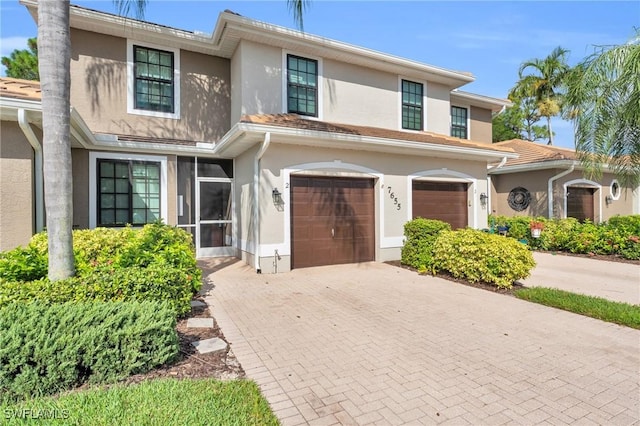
(20, 89)
(532, 152)
(299, 122)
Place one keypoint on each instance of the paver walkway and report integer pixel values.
(375, 344)
(615, 281)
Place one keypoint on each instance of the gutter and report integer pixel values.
(23, 121)
(550, 188)
(256, 199)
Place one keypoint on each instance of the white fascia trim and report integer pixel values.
(131, 81)
(444, 175)
(358, 141)
(116, 25)
(535, 166)
(27, 105)
(247, 25)
(93, 196)
(482, 101)
(463, 106)
(424, 103)
(285, 80)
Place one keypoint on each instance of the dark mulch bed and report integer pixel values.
(191, 364)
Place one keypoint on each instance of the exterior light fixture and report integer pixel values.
(483, 199)
(277, 197)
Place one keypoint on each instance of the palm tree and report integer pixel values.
(604, 99)
(54, 53)
(546, 83)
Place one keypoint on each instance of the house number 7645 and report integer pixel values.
(392, 195)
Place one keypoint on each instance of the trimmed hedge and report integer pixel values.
(156, 262)
(619, 236)
(46, 349)
(477, 256)
(420, 234)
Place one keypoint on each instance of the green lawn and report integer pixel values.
(594, 307)
(154, 402)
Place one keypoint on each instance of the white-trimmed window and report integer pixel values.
(302, 84)
(153, 80)
(459, 122)
(126, 189)
(412, 105)
(614, 189)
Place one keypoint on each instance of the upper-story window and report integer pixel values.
(459, 122)
(302, 85)
(153, 80)
(412, 111)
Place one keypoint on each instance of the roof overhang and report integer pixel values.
(230, 29)
(541, 165)
(243, 136)
(480, 101)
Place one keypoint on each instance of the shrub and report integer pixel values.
(155, 283)
(420, 234)
(156, 262)
(478, 256)
(23, 264)
(47, 349)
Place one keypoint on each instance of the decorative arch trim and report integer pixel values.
(584, 182)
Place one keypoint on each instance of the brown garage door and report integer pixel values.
(580, 203)
(446, 201)
(332, 221)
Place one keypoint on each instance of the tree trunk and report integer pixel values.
(54, 55)
(550, 131)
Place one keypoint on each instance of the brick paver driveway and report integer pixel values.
(371, 343)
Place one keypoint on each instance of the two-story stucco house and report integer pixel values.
(279, 147)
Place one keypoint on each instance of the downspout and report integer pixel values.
(23, 122)
(256, 199)
(502, 163)
(550, 188)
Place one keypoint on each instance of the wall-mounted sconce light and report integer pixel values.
(483, 199)
(608, 199)
(277, 197)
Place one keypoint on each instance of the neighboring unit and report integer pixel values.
(550, 181)
(279, 147)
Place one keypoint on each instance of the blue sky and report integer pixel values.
(488, 38)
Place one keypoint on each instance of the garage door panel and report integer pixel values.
(580, 203)
(342, 205)
(446, 201)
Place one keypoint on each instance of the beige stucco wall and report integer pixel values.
(537, 184)
(256, 80)
(391, 174)
(360, 96)
(80, 164)
(258, 85)
(16, 187)
(438, 109)
(244, 200)
(99, 91)
(480, 125)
